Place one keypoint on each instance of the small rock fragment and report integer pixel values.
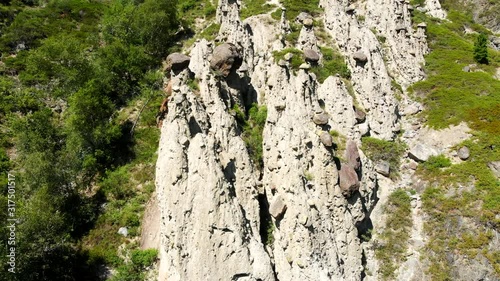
(305, 66)
(277, 207)
(421, 152)
(308, 23)
(360, 57)
(123, 231)
(383, 168)
(288, 56)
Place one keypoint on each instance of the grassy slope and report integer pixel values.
(452, 96)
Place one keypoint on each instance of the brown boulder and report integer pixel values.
(349, 182)
(225, 58)
(311, 55)
(177, 62)
(320, 118)
(352, 155)
(326, 139)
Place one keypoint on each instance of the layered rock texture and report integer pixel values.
(313, 199)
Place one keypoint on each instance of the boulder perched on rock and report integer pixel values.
(311, 55)
(360, 57)
(308, 23)
(349, 182)
(383, 168)
(421, 152)
(464, 153)
(176, 62)
(326, 139)
(360, 115)
(320, 118)
(352, 155)
(225, 58)
(277, 207)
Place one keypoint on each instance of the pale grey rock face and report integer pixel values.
(421, 152)
(208, 189)
(434, 9)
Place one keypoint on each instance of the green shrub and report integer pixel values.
(382, 150)
(436, 162)
(255, 7)
(297, 58)
(295, 7)
(481, 49)
(210, 32)
(252, 129)
(144, 258)
(333, 63)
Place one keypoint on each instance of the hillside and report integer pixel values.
(250, 140)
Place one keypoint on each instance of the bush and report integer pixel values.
(436, 162)
(333, 63)
(382, 150)
(297, 58)
(481, 49)
(252, 129)
(255, 7)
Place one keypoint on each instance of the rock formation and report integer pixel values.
(214, 201)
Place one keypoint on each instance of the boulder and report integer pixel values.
(225, 58)
(495, 168)
(303, 16)
(288, 56)
(123, 231)
(176, 62)
(360, 115)
(320, 118)
(383, 168)
(311, 55)
(308, 23)
(352, 155)
(360, 57)
(277, 207)
(349, 182)
(463, 153)
(326, 139)
(421, 152)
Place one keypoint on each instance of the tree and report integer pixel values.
(481, 49)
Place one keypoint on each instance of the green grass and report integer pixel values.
(393, 244)
(295, 7)
(189, 10)
(210, 32)
(297, 59)
(252, 126)
(333, 63)
(255, 7)
(452, 96)
(382, 150)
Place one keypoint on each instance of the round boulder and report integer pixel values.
(225, 58)
(320, 118)
(176, 62)
(464, 153)
(311, 55)
(326, 139)
(349, 182)
(360, 57)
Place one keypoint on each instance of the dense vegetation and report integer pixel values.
(73, 75)
(463, 201)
